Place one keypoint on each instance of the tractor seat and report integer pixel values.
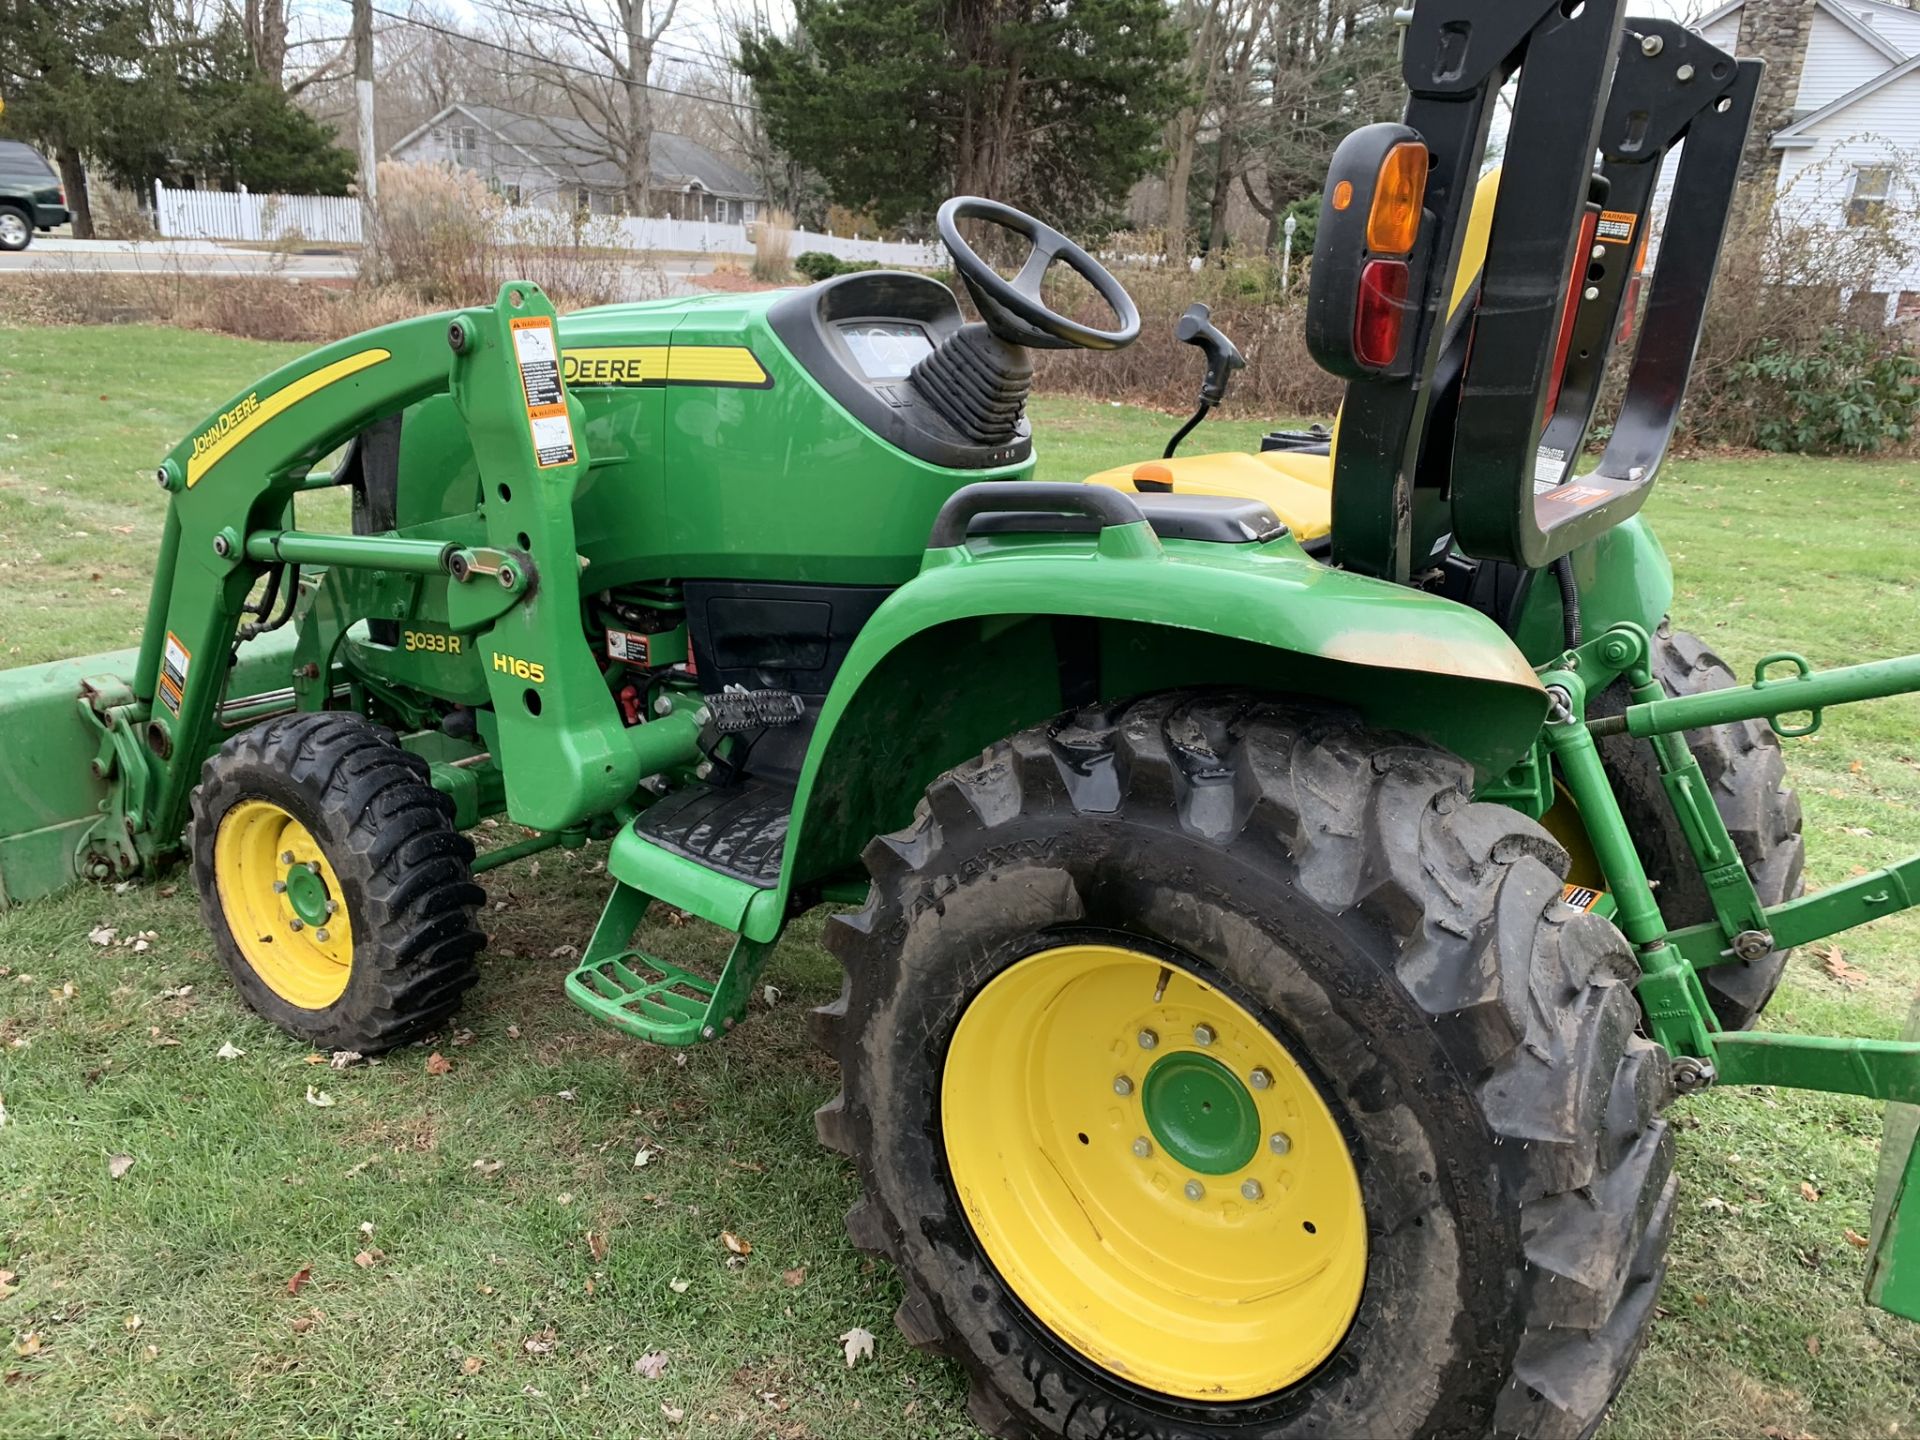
(1297, 486)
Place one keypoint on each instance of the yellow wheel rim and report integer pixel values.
(283, 904)
(1152, 1174)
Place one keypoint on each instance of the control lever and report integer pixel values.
(1196, 327)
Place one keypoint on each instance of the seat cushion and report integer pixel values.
(1297, 487)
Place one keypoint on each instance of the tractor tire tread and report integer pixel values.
(389, 836)
(1531, 1002)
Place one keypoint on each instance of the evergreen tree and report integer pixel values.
(1053, 105)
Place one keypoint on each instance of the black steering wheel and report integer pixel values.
(1013, 308)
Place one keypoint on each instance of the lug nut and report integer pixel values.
(1148, 1039)
(1195, 1190)
(1122, 1085)
(313, 867)
(1143, 1147)
(296, 923)
(321, 934)
(331, 907)
(1203, 1035)
(1260, 1079)
(1279, 1143)
(1251, 1191)
(279, 887)
(286, 857)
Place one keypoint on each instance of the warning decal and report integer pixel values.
(628, 645)
(174, 663)
(1580, 897)
(1616, 227)
(539, 360)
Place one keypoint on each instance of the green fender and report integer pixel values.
(1001, 633)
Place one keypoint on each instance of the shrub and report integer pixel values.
(772, 239)
(1850, 391)
(817, 265)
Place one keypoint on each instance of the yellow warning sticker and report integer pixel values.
(175, 661)
(539, 358)
(1580, 897)
(1616, 227)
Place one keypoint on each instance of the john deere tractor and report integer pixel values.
(1282, 892)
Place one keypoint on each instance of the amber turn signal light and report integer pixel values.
(1393, 222)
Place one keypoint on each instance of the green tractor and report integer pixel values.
(1259, 1007)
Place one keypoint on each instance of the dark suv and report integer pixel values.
(30, 195)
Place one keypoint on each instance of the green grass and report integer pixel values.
(160, 1299)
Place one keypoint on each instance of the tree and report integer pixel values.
(63, 65)
(1057, 105)
(241, 128)
(611, 93)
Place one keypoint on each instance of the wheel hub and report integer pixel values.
(1201, 1114)
(283, 904)
(307, 893)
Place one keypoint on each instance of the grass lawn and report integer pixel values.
(483, 1254)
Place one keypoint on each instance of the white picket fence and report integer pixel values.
(217, 215)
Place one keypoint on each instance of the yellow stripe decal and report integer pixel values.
(212, 445)
(714, 365)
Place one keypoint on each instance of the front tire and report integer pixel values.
(1439, 1028)
(338, 894)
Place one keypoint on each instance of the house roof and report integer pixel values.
(1849, 18)
(1797, 134)
(569, 150)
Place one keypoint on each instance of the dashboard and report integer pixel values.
(861, 335)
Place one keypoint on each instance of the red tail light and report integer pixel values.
(1382, 309)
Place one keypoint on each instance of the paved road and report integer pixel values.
(208, 257)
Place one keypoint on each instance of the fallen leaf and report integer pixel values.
(1808, 1193)
(28, 1344)
(132, 1323)
(642, 1158)
(564, 952)
(795, 1277)
(366, 1227)
(735, 1244)
(318, 1097)
(679, 1287)
(228, 1051)
(565, 1197)
(541, 1344)
(857, 1345)
(299, 1278)
(770, 994)
(488, 1167)
(1834, 962)
(102, 934)
(438, 1064)
(300, 1324)
(1854, 1237)
(596, 1245)
(369, 1257)
(673, 1413)
(652, 1365)
(1813, 1345)
(513, 1032)
(463, 1037)
(342, 1059)
(471, 1365)
(7, 1286)
(567, 1094)
(119, 1165)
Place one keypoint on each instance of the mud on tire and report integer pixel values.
(1474, 1038)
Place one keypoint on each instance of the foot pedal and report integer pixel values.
(737, 710)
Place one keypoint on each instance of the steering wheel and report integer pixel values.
(1013, 308)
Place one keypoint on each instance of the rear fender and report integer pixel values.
(991, 638)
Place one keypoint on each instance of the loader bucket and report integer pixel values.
(1893, 1263)
(49, 793)
(52, 796)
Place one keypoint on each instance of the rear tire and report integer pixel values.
(320, 825)
(1747, 774)
(16, 229)
(1472, 1039)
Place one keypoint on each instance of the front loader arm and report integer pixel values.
(233, 484)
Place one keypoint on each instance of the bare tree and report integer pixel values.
(604, 73)
(268, 27)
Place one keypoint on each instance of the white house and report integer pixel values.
(556, 162)
(1851, 149)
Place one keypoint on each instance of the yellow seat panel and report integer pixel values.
(1296, 487)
